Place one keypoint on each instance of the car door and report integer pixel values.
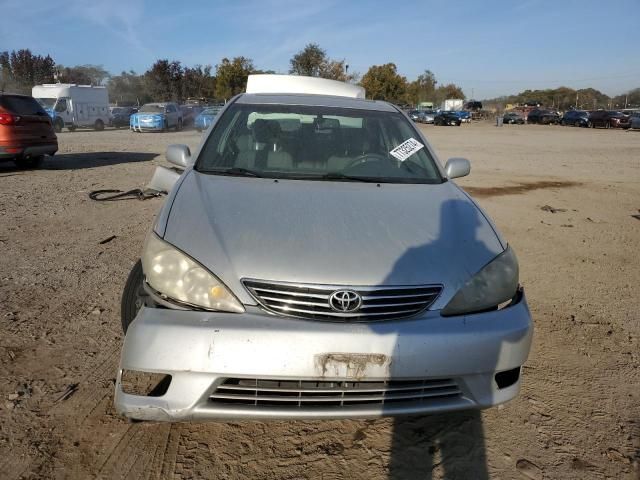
(172, 115)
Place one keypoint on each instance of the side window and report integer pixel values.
(171, 109)
(61, 106)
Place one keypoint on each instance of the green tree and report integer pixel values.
(20, 70)
(309, 61)
(312, 61)
(83, 74)
(449, 91)
(128, 88)
(231, 76)
(422, 89)
(631, 99)
(382, 82)
(163, 81)
(198, 82)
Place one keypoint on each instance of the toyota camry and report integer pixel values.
(316, 260)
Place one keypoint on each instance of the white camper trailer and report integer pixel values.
(73, 106)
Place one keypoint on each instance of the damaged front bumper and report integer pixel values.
(260, 366)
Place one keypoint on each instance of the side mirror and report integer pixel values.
(179, 155)
(457, 167)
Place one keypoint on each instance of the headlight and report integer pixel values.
(175, 275)
(496, 283)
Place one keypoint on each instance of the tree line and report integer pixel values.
(565, 98)
(170, 80)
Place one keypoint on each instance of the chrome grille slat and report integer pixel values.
(345, 315)
(330, 394)
(311, 301)
(328, 390)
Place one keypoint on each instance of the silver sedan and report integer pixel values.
(315, 260)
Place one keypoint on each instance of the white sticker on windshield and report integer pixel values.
(406, 149)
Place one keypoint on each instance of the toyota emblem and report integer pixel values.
(345, 301)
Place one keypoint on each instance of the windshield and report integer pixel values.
(117, 111)
(152, 108)
(317, 143)
(47, 102)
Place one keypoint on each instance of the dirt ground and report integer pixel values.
(577, 416)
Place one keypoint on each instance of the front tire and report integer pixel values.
(58, 125)
(133, 296)
(99, 125)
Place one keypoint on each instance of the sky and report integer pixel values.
(489, 48)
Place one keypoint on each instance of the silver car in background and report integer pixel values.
(315, 260)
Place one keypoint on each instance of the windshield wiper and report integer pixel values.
(342, 176)
(239, 171)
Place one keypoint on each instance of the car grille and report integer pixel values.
(323, 394)
(312, 301)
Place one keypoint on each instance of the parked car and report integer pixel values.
(264, 297)
(189, 113)
(447, 118)
(463, 115)
(26, 131)
(513, 118)
(121, 116)
(156, 117)
(428, 116)
(415, 115)
(634, 120)
(577, 118)
(543, 117)
(206, 117)
(609, 119)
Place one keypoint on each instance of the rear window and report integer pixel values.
(20, 105)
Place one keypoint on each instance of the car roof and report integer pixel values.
(314, 100)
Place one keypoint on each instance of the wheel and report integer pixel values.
(199, 130)
(133, 296)
(99, 125)
(58, 124)
(592, 124)
(607, 124)
(577, 124)
(179, 125)
(29, 163)
(563, 123)
(71, 128)
(165, 126)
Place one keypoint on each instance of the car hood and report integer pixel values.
(340, 233)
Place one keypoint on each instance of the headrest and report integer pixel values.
(265, 131)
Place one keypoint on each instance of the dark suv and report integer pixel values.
(543, 117)
(26, 133)
(577, 118)
(609, 119)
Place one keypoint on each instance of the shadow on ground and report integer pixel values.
(77, 161)
(449, 446)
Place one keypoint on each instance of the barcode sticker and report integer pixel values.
(406, 149)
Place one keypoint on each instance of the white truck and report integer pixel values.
(70, 105)
(452, 105)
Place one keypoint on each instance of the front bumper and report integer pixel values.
(200, 350)
(146, 124)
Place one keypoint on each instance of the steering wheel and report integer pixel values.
(366, 158)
